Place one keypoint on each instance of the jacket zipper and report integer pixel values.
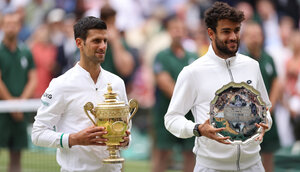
(227, 61)
(238, 157)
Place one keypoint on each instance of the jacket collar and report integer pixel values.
(211, 53)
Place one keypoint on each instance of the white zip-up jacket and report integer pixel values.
(62, 113)
(195, 89)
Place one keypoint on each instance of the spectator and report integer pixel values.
(269, 19)
(44, 54)
(17, 81)
(253, 38)
(292, 89)
(167, 65)
(67, 52)
(118, 58)
(35, 13)
(280, 55)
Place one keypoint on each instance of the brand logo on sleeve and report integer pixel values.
(249, 82)
(49, 96)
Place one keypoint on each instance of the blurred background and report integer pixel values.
(143, 27)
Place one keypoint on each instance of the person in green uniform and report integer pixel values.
(253, 38)
(17, 81)
(118, 58)
(167, 66)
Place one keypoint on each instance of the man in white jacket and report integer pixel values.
(195, 89)
(61, 121)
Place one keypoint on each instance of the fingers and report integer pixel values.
(98, 141)
(126, 139)
(17, 116)
(219, 139)
(209, 131)
(124, 143)
(97, 134)
(216, 130)
(93, 129)
(265, 126)
(223, 140)
(260, 137)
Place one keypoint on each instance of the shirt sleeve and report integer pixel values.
(31, 64)
(182, 101)
(159, 64)
(48, 115)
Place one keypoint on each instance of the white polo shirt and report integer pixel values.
(62, 113)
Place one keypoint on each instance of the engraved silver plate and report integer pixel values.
(237, 107)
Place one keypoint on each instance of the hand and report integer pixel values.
(17, 116)
(264, 128)
(126, 140)
(209, 131)
(113, 33)
(90, 136)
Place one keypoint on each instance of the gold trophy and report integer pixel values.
(114, 116)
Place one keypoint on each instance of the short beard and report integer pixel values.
(223, 48)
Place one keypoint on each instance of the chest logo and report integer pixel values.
(24, 62)
(249, 82)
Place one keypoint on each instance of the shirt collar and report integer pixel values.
(5, 47)
(81, 70)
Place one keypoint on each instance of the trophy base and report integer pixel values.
(113, 160)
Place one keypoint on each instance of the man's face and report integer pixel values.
(226, 39)
(94, 47)
(253, 37)
(11, 25)
(176, 30)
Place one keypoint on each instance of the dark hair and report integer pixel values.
(107, 12)
(219, 11)
(83, 25)
(166, 21)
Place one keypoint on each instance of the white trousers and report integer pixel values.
(258, 167)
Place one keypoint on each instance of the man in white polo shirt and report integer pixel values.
(61, 121)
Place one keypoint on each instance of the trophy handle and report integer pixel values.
(133, 105)
(89, 107)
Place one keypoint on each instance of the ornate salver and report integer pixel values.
(237, 107)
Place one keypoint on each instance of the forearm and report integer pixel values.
(165, 83)
(30, 86)
(46, 137)
(178, 125)
(181, 103)
(275, 93)
(4, 93)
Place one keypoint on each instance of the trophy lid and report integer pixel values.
(111, 97)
